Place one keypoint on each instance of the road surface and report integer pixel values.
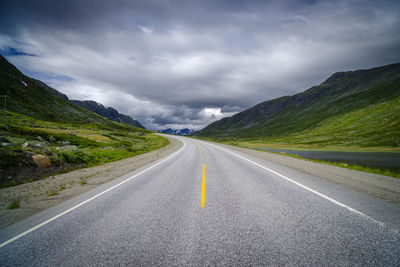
(255, 213)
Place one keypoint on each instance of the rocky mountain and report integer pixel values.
(185, 131)
(368, 97)
(107, 112)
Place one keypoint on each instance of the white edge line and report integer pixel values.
(312, 190)
(86, 201)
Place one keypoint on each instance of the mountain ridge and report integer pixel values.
(340, 94)
(108, 112)
(35, 98)
(31, 97)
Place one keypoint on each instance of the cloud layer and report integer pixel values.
(187, 63)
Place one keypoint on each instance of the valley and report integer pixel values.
(356, 111)
(200, 133)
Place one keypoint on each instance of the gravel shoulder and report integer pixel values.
(40, 195)
(378, 186)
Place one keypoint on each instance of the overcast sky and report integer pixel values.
(187, 63)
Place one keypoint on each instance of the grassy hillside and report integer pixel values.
(33, 98)
(68, 146)
(41, 123)
(359, 108)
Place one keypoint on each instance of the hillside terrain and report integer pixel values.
(42, 133)
(34, 98)
(355, 108)
(107, 112)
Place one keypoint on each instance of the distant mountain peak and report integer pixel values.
(184, 131)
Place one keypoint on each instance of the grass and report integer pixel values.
(85, 178)
(8, 184)
(95, 144)
(386, 172)
(257, 144)
(14, 205)
(375, 125)
(367, 119)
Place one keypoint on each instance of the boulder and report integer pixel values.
(67, 148)
(27, 145)
(37, 145)
(41, 161)
(42, 144)
(63, 143)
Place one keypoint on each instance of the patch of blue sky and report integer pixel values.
(12, 51)
(18, 42)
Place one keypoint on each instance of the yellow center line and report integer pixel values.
(201, 152)
(203, 187)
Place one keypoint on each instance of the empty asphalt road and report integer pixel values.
(255, 213)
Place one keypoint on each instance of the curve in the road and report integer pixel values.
(256, 212)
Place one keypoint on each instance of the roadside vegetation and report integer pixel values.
(14, 204)
(32, 149)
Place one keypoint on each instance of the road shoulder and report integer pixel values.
(40, 195)
(378, 186)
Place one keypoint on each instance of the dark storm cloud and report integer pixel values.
(187, 63)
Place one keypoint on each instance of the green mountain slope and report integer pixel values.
(34, 98)
(42, 133)
(350, 108)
